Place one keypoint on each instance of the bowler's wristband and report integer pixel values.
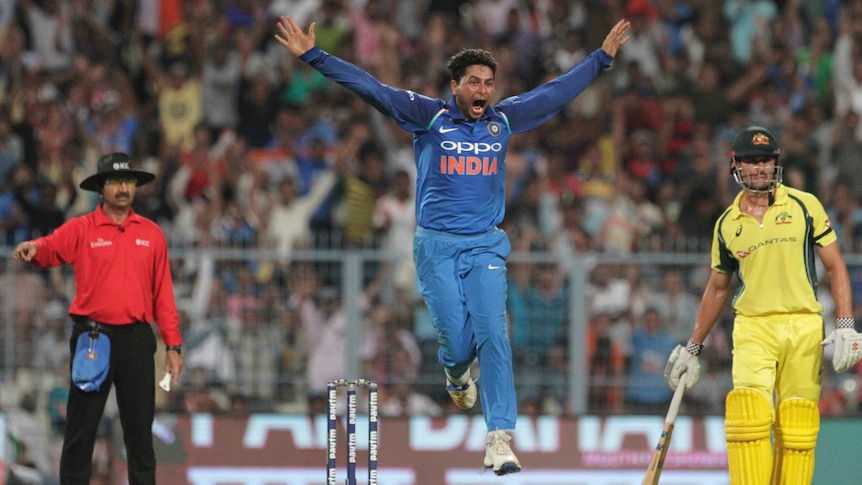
(176, 348)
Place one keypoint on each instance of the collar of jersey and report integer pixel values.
(102, 219)
(780, 199)
(456, 113)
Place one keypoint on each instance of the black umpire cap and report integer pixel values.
(114, 165)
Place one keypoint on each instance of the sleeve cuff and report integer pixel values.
(310, 54)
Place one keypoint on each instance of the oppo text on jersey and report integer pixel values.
(470, 147)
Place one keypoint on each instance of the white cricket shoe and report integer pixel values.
(498, 454)
(463, 396)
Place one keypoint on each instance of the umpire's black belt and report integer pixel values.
(87, 324)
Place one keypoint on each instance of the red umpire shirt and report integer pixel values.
(122, 272)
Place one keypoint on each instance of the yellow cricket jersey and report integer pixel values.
(180, 111)
(774, 260)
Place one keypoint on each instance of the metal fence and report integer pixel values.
(589, 335)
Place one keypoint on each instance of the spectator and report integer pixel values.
(646, 391)
(112, 121)
(397, 353)
(290, 225)
(236, 228)
(257, 107)
(180, 103)
(571, 239)
(606, 359)
(676, 305)
(799, 153)
(642, 293)
(58, 395)
(401, 399)
(11, 148)
(620, 233)
(608, 291)
(815, 60)
(202, 394)
(646, 42)
(699, 212)
(711, 98)
(395, 220)
(301, 85)
(525, 39)
(324, 322)
(747, 19)
(491, 16)
(49, 24)
(709, 399)
(568, 51)
(291, 343)
(543, 326)
(845, 146)
(197, 173)
(220, 82)
(845, 213)
(30, 451)
(313, 164)
(360, 190)
(847, 80)
(20, 193)
(51, 345)
(46, 214)
(333, 27)
(211, 326)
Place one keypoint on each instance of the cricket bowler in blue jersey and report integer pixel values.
(460, 253)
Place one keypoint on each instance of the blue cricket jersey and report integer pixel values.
(461, 166)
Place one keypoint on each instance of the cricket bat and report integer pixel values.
(654, 471)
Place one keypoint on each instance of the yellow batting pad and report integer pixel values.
(748, 422)
(796, 428)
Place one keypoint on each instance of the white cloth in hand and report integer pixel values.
(680, 363)
(165, 383)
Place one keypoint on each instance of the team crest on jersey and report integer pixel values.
(783, 218)
(494, 128)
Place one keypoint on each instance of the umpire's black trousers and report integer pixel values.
(133, 374)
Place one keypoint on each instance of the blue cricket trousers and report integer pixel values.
(463, 282)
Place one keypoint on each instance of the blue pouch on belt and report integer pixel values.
(91, 361)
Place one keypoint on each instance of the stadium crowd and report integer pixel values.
(255, 151)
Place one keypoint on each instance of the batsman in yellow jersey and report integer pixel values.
(769, 237)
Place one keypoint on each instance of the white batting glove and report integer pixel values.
(683, 361)
(848, 348)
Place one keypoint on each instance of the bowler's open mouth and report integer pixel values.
(478, 106)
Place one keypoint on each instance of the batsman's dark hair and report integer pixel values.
(459, 63)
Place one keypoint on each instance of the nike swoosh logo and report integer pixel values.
(491, 266)
(447, 130)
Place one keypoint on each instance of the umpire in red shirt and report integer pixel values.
(122, 284)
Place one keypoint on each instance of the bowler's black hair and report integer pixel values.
(459, 63)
